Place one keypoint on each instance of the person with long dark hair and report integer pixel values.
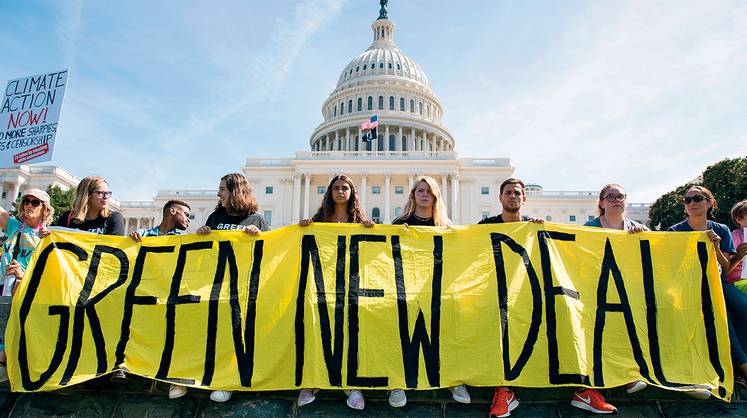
(699, 206)
(340, 204)
(236, 210)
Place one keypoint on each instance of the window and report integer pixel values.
(360, 104)
(397, 212)
(404, 143)
(350, 105)
(412, 106)
(268, 190)
(572, 218)
(335, 111)
(364, 67)
(485, 215)
(376, 215)
(420, 107)
(342, 107)
(381, 102)
(548, 218)
(398, 67)
(390, 65)
(370, 102)
(268, 217)
(591, 217)
(192, 216)
(357, 68)
(376, 189)
(399, 189)
(381, 65)
(320, 189)
(392, 143)
(484, 190)
(380, 142)
(391, 102)
(5, 194)
(402, 104)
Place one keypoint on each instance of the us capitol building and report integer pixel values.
(412, 141)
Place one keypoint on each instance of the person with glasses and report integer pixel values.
(91, 211)
(699, 206)
(23, 230)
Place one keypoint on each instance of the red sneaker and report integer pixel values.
(591, 400)
(504, 401)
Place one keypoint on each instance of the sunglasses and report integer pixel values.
(33, 202)
(697, 199)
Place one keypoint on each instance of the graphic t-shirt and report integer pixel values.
(22, 245)
(156, 232)
(499, 219)
(413, 220)
(220, 220)
(113, 225)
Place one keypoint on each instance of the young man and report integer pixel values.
(512, 197)
(175, 221)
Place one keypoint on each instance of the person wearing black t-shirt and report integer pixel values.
(91, 211)
(425, 208)
(340, 204)
(236, 210)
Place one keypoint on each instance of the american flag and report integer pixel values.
(370, 124)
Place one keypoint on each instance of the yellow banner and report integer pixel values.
(335, 305)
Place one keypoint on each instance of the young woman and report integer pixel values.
(699, 206)
(339, 204)
(739, 216)
(91, 211)
(236, 210)
(23, 229)
(425, 208)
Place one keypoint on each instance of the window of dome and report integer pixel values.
(364, 67)
(342, 107)
(351, 71)
(390, 65)
(360, 104)
(402, 104)
(370, 102)
(335, 111)
(381, 65)
(391, 102)
(350, 105)
(381, 102)
(357, 68)
(412, 106)
(399, 67)
(392, 143)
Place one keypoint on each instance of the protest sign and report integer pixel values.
(343, 306)
(29, 117)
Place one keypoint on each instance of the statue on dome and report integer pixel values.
(382, 11)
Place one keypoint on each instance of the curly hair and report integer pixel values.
(241, 200)
(327, 209)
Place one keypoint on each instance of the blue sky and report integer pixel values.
(172, 95)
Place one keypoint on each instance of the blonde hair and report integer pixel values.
(439, 210)
(47, 213)
(83, 193)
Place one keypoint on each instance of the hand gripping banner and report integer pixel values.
(344, 306)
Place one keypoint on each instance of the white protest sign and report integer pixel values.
(29, 115)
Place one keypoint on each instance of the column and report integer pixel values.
(307, 185)
(444, 196)
(425, 141)
(358, 139)
(387, 186)
(296, 198)
(16, 189)
(399, 139)
(410, 181)
(347, 139)
(386, 139)
(363, 192)
(337, 141)
(454, 200)
(137, 223)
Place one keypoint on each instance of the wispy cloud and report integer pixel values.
(68, 29)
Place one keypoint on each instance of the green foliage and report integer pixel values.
(61, 200)
(727, 180)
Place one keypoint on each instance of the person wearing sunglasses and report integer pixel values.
(699, 206)
(33, 215)
(91, 211)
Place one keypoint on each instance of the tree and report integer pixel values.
(727, 180)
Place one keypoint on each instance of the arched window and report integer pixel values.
(420, 107)
(381, 65)
(364, 67)
(357, 68)
(342, 108)
(360, 104)
(380, 142)
(370, 102)
(412, 106)
(376, 215)
(335, 111)
(392, 143)
(402, 104)
(404, 143)
(390, 66)
(381, 102)
(350, 106)
(355, 143)
(391, 102)
(382, 32)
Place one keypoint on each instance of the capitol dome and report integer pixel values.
(382, 81)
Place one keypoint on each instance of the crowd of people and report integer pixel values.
(237, 209)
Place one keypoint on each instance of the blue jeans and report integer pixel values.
(736, 308)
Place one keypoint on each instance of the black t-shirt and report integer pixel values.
(499, 219)
(113, 225)
(413, 220)
(220, 220)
